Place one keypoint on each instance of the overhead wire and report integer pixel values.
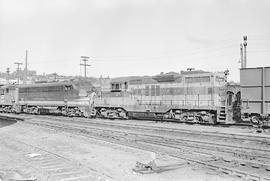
(196, 53)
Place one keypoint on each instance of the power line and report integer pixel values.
(197, 53)
(194, 51)
(175, 53)
(165, 58)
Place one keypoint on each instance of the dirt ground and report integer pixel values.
(22, 144)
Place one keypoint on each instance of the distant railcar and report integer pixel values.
(8, 96)
(255, 93)
(194, 96)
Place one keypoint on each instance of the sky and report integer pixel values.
(133, 37)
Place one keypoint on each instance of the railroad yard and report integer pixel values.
(62, 148)
(132, 90)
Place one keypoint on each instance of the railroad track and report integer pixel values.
(255, 154)
(206, 155)
(188, 135)
(172, 130)
(185, 137)
(50, 165)
(263, 140)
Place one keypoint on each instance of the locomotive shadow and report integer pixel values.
(5, 122)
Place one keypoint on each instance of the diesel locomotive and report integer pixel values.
(189, 96)
(58, 98)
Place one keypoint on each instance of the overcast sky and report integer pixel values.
(133, 37)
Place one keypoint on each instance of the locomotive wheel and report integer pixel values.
(184, 118)
(197, 119)
(255, 121)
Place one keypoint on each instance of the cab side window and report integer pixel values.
(68, 88)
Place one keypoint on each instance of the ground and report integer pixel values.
(23, 144)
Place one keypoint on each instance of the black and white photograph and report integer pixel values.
(134, 90)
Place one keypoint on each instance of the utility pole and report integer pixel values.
(84, 59)
(241, 56)
(18, 70)
(245, 52)
(25, 68)
(8, 71)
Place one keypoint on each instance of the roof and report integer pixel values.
(193, 72)
(166, 78)
(44, 84)
(134, 79)
(162, 77)
(253, 68)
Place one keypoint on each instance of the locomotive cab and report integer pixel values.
(119, 86)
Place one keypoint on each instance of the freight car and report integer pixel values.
(255, 94)
(189, 96)
(64, 98)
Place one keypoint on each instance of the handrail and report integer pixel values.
(197, 103)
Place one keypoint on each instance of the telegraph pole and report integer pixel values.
(241, 56)
(84, 59)
(8, 71)
(25, 68)
(18, 70)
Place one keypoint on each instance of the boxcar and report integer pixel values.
(255, 92)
